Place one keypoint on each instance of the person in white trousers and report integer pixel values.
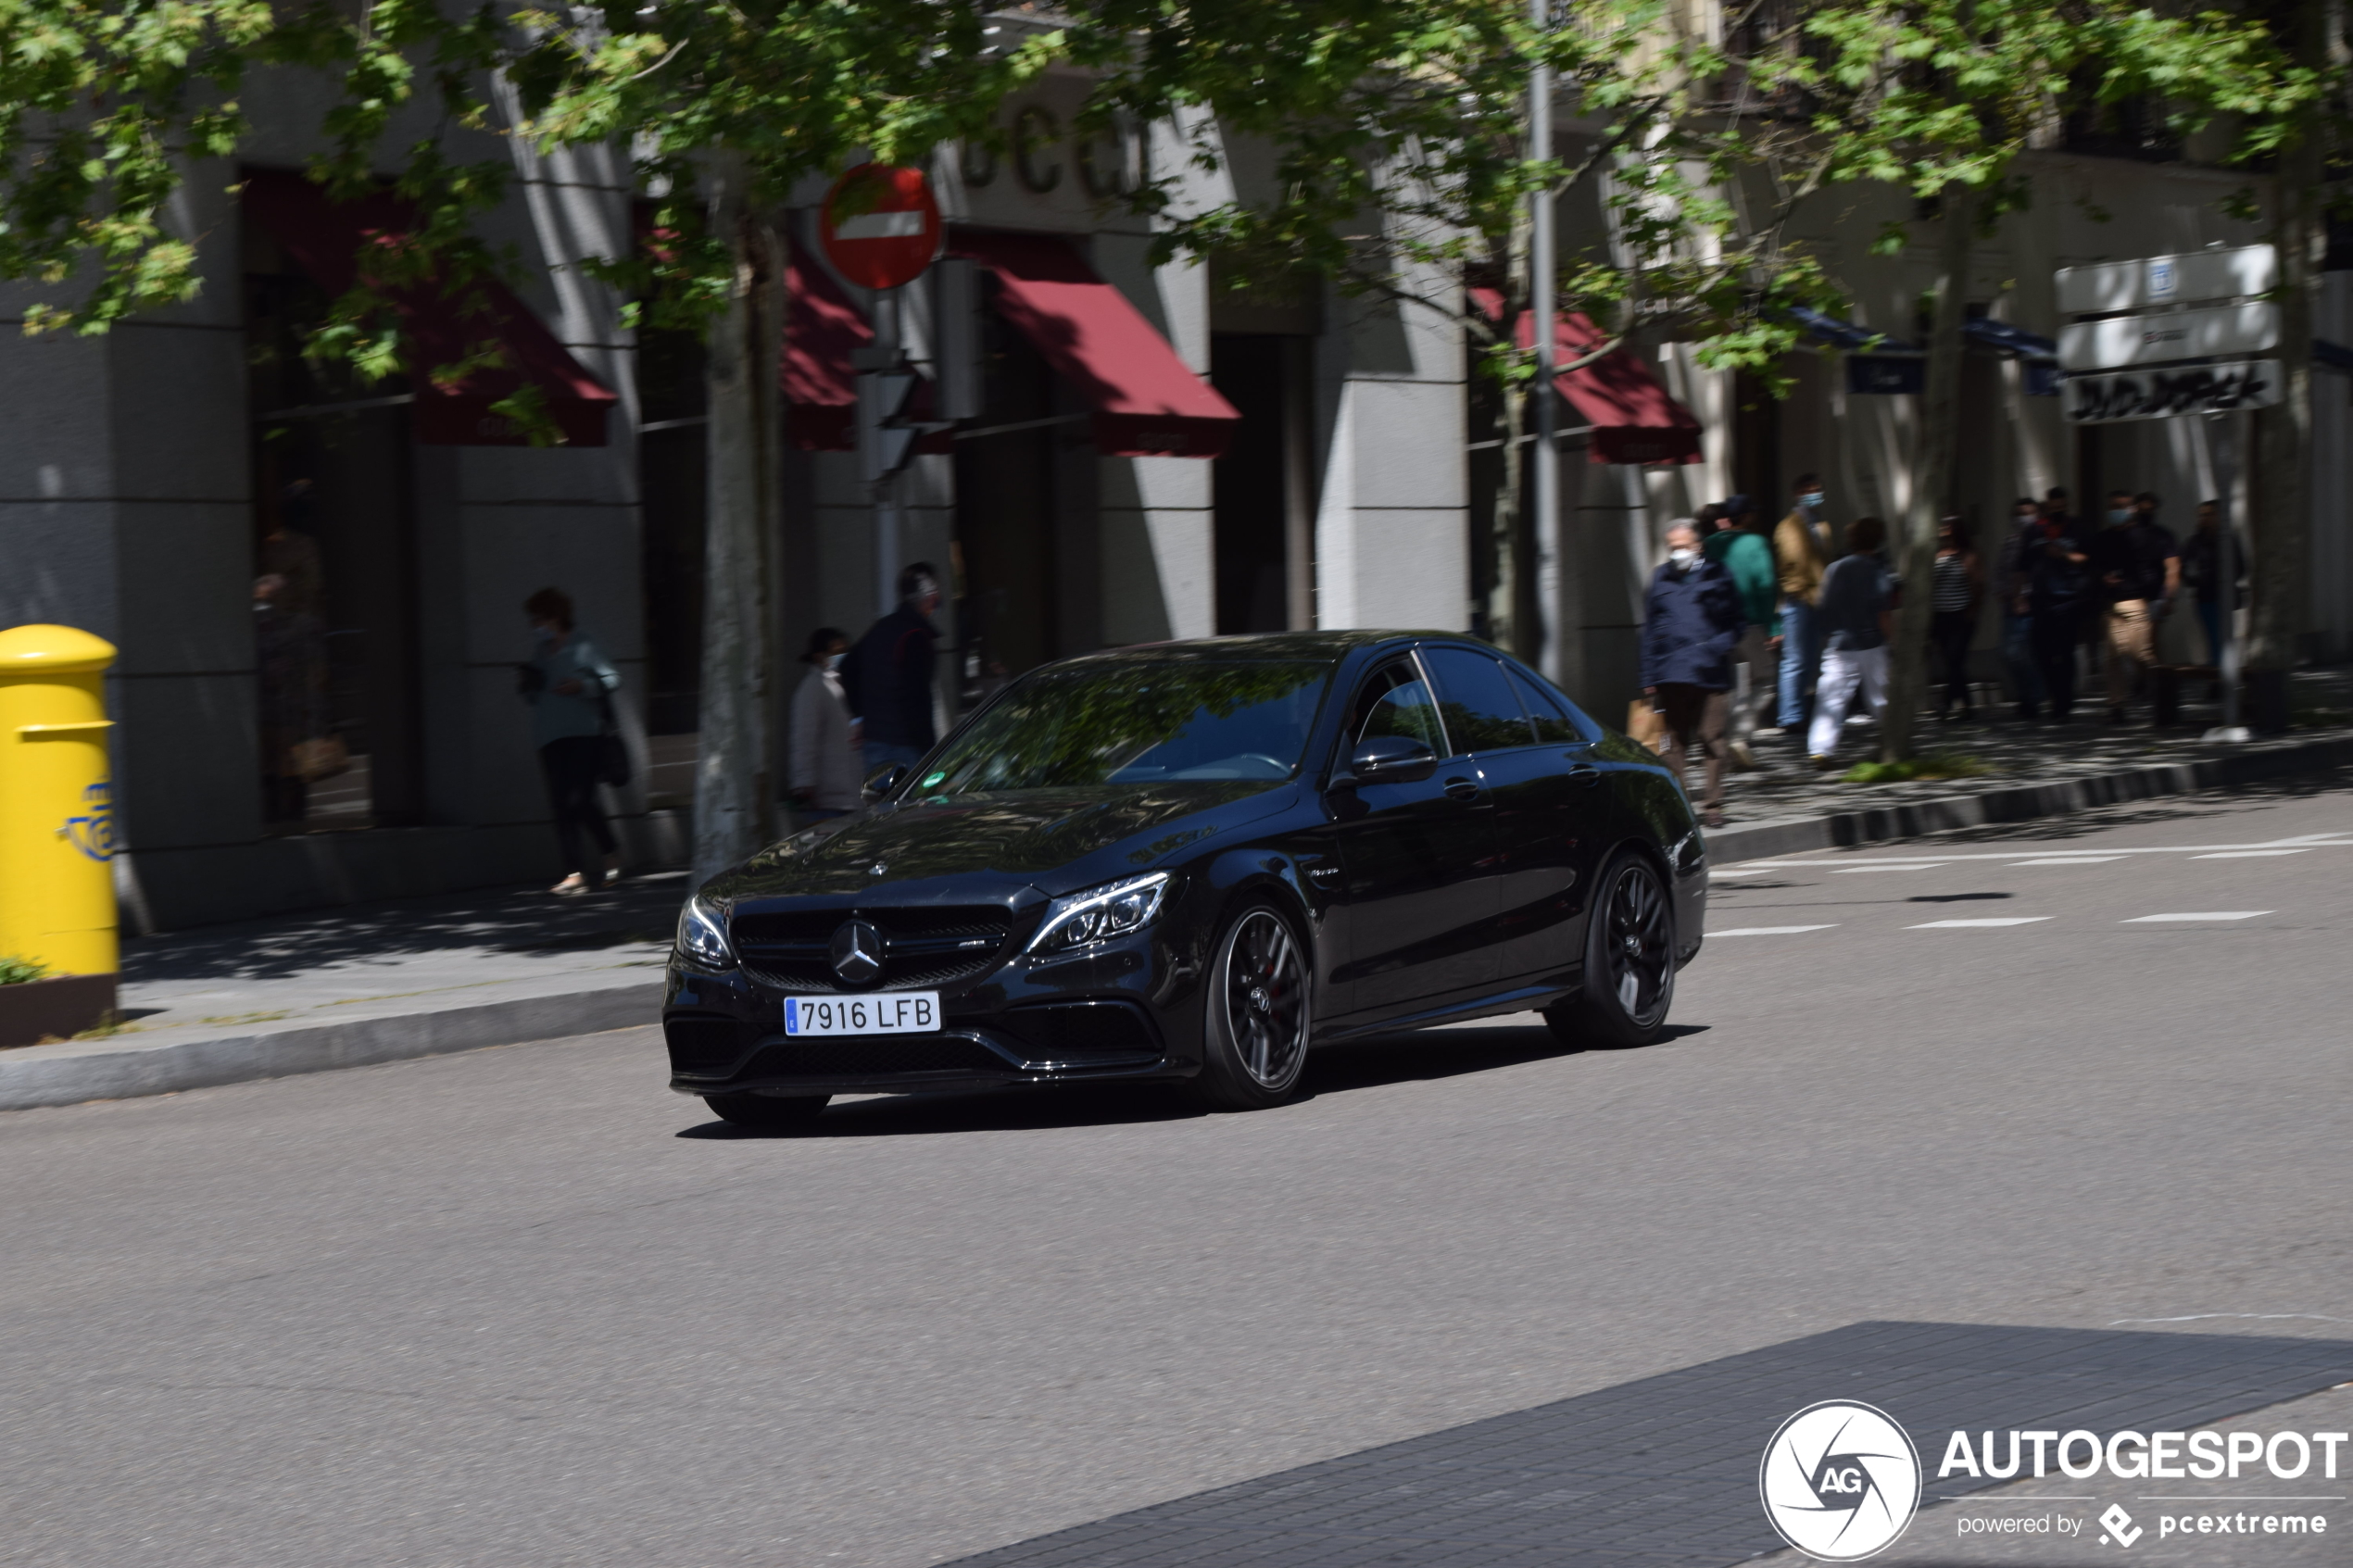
(1855, 617)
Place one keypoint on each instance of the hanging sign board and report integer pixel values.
(2158, 394)
(2237, 273)
(880, 226)
(2212, 332)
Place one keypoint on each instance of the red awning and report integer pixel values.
(1148, 402)
(1633, 418)
(822, 329)
(325, 240)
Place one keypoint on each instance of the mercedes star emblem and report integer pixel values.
(878, 868)
(857, 951)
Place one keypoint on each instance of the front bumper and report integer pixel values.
(1118, 1012)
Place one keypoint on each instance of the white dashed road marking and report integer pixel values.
(1971, 925)
(2246, 854)
(1772, 930)
(1851, 870)
(2207, 914)
(2074, 861)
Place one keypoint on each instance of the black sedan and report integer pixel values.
(1193, 861)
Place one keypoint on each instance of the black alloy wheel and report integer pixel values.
(766, 1113)
(1630, 960)
(1259, 1014)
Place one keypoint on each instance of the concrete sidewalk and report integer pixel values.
(419, 977)
(373, 983)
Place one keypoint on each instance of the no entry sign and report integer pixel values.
(880, 226)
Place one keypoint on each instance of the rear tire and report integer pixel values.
(766, 1113)
(1258, 1013)
(1630, 960)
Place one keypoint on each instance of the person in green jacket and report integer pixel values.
(1738, 546)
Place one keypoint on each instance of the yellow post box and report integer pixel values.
(56, 801)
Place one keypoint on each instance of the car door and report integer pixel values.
(1415, 899)
(1550, 810)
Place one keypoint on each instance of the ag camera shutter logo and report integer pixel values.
(1840, 1481)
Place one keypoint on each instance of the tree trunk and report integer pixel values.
(1511, 599)
(2281, 524)
(734, 796)
(1933, 478)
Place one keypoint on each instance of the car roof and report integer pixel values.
(1327, 646)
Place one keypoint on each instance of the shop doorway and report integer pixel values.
(1264, 520)
(334, 583)
(1008, 573)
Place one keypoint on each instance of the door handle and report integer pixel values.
(1584, 773)
(1462, 789)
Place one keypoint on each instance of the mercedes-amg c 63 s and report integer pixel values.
(1193, 861)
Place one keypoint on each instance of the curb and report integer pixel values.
(2019, 803)
(77, 1071)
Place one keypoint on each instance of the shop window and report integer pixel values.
(334, 571)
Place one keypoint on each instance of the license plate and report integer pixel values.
(886, 1012)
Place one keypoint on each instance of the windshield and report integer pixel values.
(1137, 722)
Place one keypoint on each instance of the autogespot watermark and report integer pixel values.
(1841, 1481)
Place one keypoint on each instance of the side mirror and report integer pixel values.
(1391, 759)
(885, 779)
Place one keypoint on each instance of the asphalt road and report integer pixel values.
(524, 1307)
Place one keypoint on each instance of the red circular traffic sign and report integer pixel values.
(880, 225)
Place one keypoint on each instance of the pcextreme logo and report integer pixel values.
(1840, 1481)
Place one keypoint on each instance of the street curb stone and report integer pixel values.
(2020, 803)
(76, 1070)
(69, 1073)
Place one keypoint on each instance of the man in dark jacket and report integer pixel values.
(889, 675)
(1692, 622)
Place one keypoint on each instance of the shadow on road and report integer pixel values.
(1341, 1069)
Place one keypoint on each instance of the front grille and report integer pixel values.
(706, 1045)
(924, 946)
(874, 1056)
(1083, 1033)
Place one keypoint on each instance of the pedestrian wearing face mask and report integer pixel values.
(2138, 567)
(569, 686)
(1742, 549)
(1801, 551)
(823, 772)
(1691, 624)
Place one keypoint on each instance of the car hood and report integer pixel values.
(1055, 840)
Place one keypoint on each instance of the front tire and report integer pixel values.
(1260, 1014)
(1630, 960)
(766, 1113)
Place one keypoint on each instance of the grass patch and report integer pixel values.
(114, 1024)
(20, 971)
(1934, 765)
(249, 1017)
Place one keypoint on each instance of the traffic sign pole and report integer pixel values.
(881, 230)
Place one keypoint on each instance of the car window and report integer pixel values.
(1393, 700)
(1557, 722)
(1481, 712)
(1136, 721)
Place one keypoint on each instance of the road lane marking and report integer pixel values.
(1911, 866)
(2073, 860)
(1960, 925)
(2206, 914)
(2246, 854)
(1773, 930)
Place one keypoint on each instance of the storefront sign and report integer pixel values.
(2241, 272)
(2157, 395)
(1885, 375)
(2212, 332)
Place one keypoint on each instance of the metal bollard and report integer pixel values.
(57, 803)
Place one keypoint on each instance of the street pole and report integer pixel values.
(2226, 502)
(1552, 649)
(888, 348)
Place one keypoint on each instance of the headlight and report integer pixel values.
(1114, 909)
(702, 936)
